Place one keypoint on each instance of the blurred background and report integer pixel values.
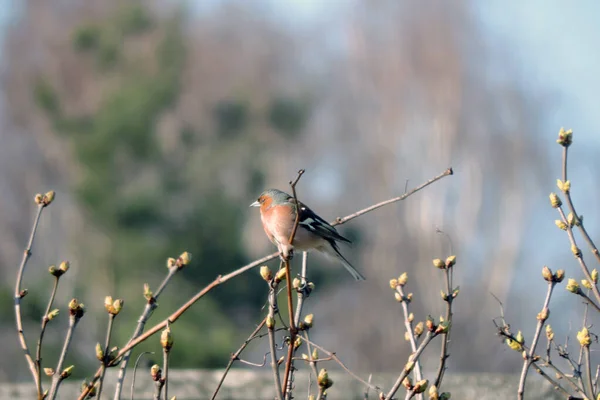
(158, 123)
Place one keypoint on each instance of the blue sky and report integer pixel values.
(557, 46)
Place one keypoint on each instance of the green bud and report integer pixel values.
(583, 336)
(560, 224)
(67, 372)
(555, 200)
(53, 314)
(565, 138)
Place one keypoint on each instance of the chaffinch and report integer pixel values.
(278, 214)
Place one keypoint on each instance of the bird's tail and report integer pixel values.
(334, 252)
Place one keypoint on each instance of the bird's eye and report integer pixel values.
(260, 199)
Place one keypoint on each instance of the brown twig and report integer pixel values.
(347, 218)
(58, 376)
(410, 331)
(504, 331)
(554, 383)
(335, 358)
(45, 320)
(111, 318)
(302, 294)
(270, 322)
(19, 294)
(445, 336)
(586, 236)
(288, 276)
(146, 314)
(414, 358)
(235, 356)
(540, 324)
(579, 257)
(222, 279)
(311, 361)
(165, 377)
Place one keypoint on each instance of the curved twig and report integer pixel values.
(19, 294)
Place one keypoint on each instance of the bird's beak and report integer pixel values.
(255, 204)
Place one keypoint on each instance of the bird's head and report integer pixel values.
(271, 197)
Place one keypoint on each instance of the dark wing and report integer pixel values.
(314, 223)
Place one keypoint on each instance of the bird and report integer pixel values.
(278, 215)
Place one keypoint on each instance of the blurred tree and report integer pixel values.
(152, 191)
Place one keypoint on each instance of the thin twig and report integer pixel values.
(579, 256)
(311, 360)
(288, 276)
(414, 358)
(19, 294)
(58, 377)
(564, 377)
(222, 279)
(111, 318)
(270, 329)
(554, 383)
(146, 314)
(367, 388)
(301, 291)
(588, 371)
(584, 232)
(235, 356)
(410, 331)
(252, 364)
(538, 330)
(446, 336)
(335, 358)
(45, 320)
(347, 218)
(165, 377)
(135, 369)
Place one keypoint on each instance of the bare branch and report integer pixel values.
(414, 358)
(45, 320)
(270, 328)
(59, 374)
(19, 294)
(335, 358)
(540, 324)
(288, 276)
(222, 279)
(584, 232)
(111, 318)
(146, 314)
(135, 369)
(235, 356)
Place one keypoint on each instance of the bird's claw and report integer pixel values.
(286, 257)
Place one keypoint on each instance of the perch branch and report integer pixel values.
(288, 276)
(222, 279)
